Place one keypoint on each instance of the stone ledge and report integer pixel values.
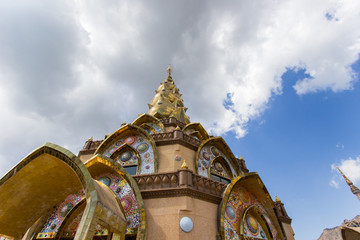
(180, 183)
(177, 136)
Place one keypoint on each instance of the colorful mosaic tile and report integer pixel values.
(154, 126)
(206, 155)
(127, 197)
(239, 200)
(219, 170)
(253, 229)
(53, 223)
(71, 229)
(142, 146)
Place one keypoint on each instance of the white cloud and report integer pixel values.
(339, 145)
(334, 183)
(72, 69)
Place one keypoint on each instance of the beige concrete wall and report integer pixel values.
(163, 218)
(167, 153)
(288, 231)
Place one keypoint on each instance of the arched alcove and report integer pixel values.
(138, 139)
(247, 211)
(125, 188)
(210, 149)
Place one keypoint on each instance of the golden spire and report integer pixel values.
(346, 179)
(90, 139)
(277, 199)
(184, 165)
(353, 188)
(169, 70)
(167, 101)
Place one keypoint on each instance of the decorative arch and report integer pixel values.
(247, 211)
(253, 224)
(125, 189)
(69, 230)
(196, 130)
(137, 138)
(149, 122)
(127, 157)
(211, 148)
(220, 168)
(43, 178)
(54, 223)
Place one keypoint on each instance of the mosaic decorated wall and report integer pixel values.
(206, 155)
(152, 126)
(71, 228)
(252, 228)
(142, 146)
(122, 190)
(238, 202)
(189, 132)
(218, 169)
(54, 222)
(127, 197)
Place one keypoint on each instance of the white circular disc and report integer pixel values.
(186, 224)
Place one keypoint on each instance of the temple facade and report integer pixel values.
(159, 177)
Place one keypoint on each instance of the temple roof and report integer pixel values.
(167, 101)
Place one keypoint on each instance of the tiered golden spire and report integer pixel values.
(167, 101)
(353, 188)
(346, 179)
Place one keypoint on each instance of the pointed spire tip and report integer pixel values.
(169, 71)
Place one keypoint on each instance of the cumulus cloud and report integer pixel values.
(73, 69)
(334, 183)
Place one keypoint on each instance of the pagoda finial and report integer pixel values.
(167, 101)
(277, 199)
(184, 165)
(169, 71)
(346, 179)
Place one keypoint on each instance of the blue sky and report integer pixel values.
(293, 145)
(278, 79)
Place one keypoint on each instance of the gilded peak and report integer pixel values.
(184, 165)
(346, 179)
(169, 70)
(277, 199)
(167, 101)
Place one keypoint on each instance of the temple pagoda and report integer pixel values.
(158, 177)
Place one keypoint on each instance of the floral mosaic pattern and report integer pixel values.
(218, 169)
(253, 229)
(127, 197)
(239, 200)
(54, 222)
(142, 146)
(156, 128)
(127, 158)
(207, 154)
(71, 229)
